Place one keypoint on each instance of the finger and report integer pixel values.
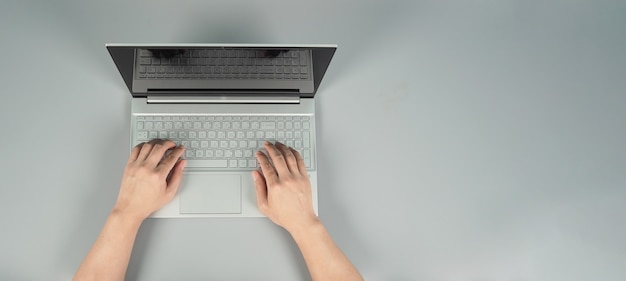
(159, 149)
(300, 161)
(268, 170)
(175, 178)
(261, 190)
(278, 159)
(292, 163)
(134, 153)
(146, 148)
(169, 161)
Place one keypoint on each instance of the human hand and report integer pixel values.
(283, 191)
(150, 179)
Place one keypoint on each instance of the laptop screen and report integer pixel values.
(189, 69)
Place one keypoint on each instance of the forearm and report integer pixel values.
(108, 258)
(323, 258)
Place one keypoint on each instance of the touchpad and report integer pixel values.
(210, 194)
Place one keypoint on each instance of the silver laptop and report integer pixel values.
(223, 101)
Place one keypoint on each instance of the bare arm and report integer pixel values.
(284, 195)
(149, 182)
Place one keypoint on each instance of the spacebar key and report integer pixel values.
(207, 163)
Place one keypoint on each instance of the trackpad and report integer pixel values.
(210, 194)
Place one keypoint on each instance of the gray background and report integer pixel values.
(457, 140)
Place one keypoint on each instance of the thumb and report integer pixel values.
(175, 178)
(261, 189)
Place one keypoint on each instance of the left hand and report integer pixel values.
(150, 179)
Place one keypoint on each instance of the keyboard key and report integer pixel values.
(302, 58)
(142, 135)
(265, 69)
(268, 125)
(207, 163)
(252, 144)
(232, 163)
(195, 144)
(306, 139)
(242, 163)
(248, 153)
(252, 164)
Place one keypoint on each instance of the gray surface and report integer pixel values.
(457, 141)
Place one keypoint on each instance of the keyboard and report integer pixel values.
(225, 64)
(227, 142)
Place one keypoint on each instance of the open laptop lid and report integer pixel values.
(124, 56)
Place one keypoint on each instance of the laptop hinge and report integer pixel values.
(223, 99)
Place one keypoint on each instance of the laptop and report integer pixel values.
(223, 101)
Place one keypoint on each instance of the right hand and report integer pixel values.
(283, 191)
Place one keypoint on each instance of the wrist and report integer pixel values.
(126, 216)
(304, 227)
